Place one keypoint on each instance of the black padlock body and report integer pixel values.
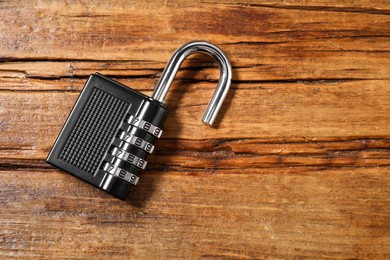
(108, 135)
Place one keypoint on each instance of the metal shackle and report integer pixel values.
(174, 64)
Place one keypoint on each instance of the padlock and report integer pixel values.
(112, 128)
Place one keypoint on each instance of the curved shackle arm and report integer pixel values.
(223, 83)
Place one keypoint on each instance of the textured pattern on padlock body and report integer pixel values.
(94, 130)
(108, 135)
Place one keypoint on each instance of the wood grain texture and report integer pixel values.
(297, 167)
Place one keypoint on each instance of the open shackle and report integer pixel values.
(173, 66)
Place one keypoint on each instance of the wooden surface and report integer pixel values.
(297, 167)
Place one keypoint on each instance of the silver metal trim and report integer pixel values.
(144, 125)
(125, 156)
(118, 172)
(137, 141)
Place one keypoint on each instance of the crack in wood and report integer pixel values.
(317, 8)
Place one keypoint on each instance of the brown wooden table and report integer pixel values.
(297, 167)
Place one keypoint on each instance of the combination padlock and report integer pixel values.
(112, 129)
